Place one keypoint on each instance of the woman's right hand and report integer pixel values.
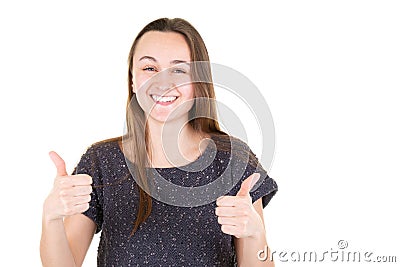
(70, 194)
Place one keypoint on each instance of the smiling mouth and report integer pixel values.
(163, 99)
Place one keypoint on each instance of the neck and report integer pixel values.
(173, 143)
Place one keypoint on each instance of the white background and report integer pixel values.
(329, 70)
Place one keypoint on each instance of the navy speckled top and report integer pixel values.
(172, 235)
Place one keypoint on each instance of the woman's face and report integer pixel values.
(161, 76)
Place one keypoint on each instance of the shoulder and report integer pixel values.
(106, 143)
(243, 163)
(240, 152)
(98, 153)
(103, 159)
(225, 141)
(104, 147)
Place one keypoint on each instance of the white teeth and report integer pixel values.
(158, 98)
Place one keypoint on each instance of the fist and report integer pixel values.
(237, 215)
(70, 193)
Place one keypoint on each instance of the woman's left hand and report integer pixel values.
(237, 215)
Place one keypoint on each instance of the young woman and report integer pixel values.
(171, 128)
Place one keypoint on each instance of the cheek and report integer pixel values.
(140, 89)
(187, 91)
(187, 98)
(139, 79)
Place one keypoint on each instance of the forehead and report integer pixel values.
(164, 46)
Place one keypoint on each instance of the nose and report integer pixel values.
(163, 81)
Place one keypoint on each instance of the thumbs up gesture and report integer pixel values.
(236, 214)
(70, 194)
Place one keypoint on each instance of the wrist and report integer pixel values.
(259, 233)
(48, 216)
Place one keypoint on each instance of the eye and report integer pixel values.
(150, 69)
(179, 70)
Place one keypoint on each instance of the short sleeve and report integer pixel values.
(265, 188)
(89, 165)
(245, 164)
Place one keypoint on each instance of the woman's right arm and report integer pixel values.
(66, 233)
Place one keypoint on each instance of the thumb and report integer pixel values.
(248, 184)
(59, 163)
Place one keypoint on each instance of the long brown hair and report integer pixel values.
(203, 112)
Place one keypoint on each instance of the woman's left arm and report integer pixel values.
(248, 248)
(244, 220)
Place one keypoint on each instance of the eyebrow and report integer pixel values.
(175, 61)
